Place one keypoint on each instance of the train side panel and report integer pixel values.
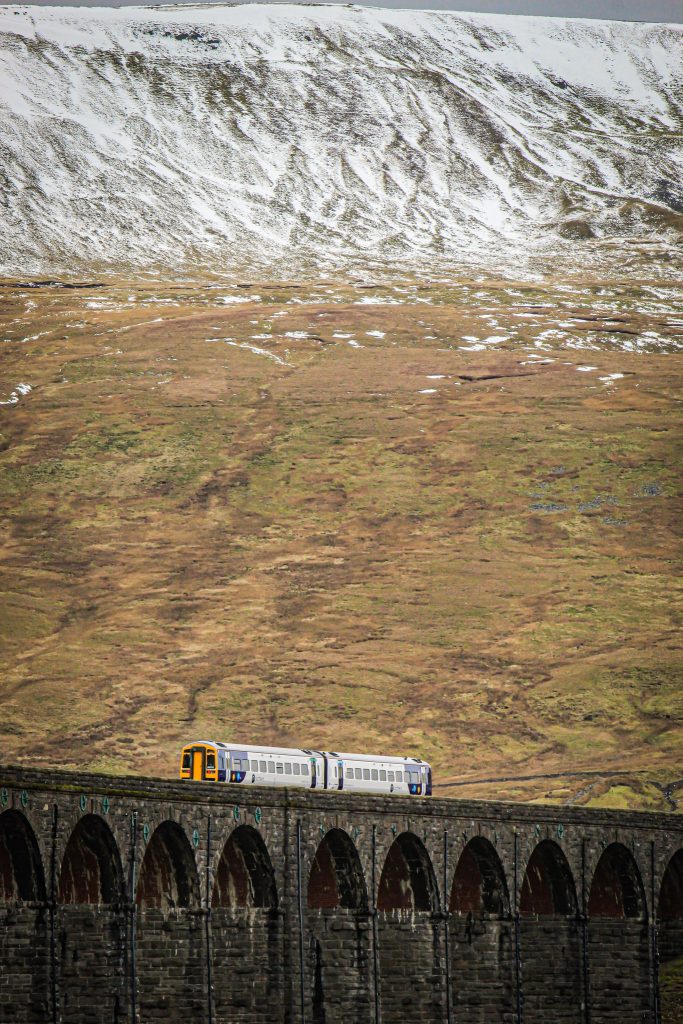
(306, 769)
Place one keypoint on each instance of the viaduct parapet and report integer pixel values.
(141, 901)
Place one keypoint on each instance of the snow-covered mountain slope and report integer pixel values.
(295, 136)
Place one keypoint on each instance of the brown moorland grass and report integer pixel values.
(402, 516)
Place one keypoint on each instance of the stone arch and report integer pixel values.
(91, 870)
(548, 886)
(91, 924)
(670, 918)
(618, 940)
(168, 874)
(549, 933)
(246, 927)
(245, 875)
(167, 899)
(336, 876)
(21, 869)
(24, 943)
(339, 951)
(617, 887)
(670, 902)
(479, 884)
(407, 881)
(410, 934)
(481, 936)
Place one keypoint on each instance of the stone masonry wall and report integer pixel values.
(134, 936)
(24, 963)
(247, 965)
(171, 966)
(412, 968)
(619, 970)
(482, 969)
(91, 951)
(551, 948)
(339, 966)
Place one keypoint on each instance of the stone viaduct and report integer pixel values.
(127, 900)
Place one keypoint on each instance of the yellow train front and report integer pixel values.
(200, 761)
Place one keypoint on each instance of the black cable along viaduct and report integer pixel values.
(130, 900)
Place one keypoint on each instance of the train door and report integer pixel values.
(428, 787)
(314, 773)
(340, 769)
(198, 763)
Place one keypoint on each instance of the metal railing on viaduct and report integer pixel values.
(140, 900)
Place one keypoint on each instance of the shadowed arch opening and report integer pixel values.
(91, 926)
(245, 875)
(548, 886)
(168, 875)
(670, 939)
(91, 869)
(407, 881)
(670, 903)
(336, 878)
(21, 869)
(410, 935)
(247, 928)
(24, 931)
(617, 888)
(337, 933)
(479, 885)
(480, 932)
(169, 943)
(549, 935)
(618, 933)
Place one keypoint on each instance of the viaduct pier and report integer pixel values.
(140, 901)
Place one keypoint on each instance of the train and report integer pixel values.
(213, 761)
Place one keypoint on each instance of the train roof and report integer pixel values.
(308, 752)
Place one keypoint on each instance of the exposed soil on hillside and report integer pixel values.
(436, 518)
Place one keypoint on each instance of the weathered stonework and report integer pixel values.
(144, 901)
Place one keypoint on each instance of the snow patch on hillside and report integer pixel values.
(327, 137)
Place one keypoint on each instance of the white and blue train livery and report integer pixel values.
(213, 761)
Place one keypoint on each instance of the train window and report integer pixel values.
(236, 764)
(304, 769)
(211, 761)
(254, 766)
(391, 776)
(375, 775)
(186, 760)
(349, 773)
(262, 766)
(382, 775)
(271, 767)
(297, 769)
(399, 776)
(280, 769)
(288, 768)
(359, 773)
(366, 773)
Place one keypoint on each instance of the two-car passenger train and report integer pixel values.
(310, 769)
